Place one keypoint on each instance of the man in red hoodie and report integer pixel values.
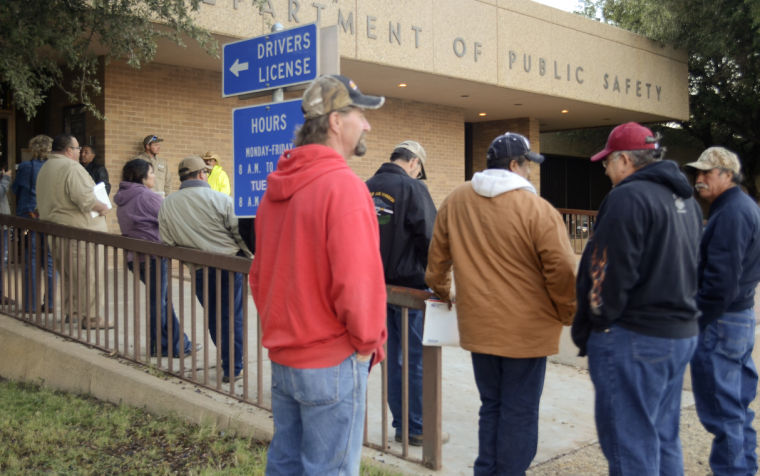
(317, 280)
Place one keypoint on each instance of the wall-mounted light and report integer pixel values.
(482, 114)
(402, 85)
(564, 111)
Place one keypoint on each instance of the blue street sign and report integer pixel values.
(270, 61)
(260, 135)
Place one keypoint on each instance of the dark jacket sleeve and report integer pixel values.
(609, 266)
(581, 328)
(101, 175)
(420, 219)
(614, 267)
(722, 255)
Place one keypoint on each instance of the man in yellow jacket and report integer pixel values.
(217, 179)
(514, 271)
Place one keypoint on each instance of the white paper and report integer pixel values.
(440, 324)
(102, 196)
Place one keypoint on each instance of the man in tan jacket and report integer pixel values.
(152, 146)
(65, 196)
(515, 280)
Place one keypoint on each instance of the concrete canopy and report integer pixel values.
(504, 58)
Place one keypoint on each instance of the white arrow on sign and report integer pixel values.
(237, 67)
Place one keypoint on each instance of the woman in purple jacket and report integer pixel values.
(137, 212)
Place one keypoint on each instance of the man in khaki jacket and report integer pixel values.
(515, 280)
(65, 196)
(152, 146)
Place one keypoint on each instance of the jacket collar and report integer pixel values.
(194, 183)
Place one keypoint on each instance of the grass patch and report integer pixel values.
(48, 432)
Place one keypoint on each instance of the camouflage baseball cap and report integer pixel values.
(716, 158)
(416, 149)
(149, 139)
(330, 93)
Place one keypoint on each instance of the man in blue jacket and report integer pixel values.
(406, 215)
(724, 378)
(637, 313)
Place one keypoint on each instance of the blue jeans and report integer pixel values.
(318, 419)
(724, 381)
(152, 298)
(225, 305)
(638, 380)
(394, 360)
(510, 391)
(31, 265)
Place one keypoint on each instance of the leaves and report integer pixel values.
(56, 43)
(722, 38)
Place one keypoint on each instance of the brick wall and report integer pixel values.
(184, 107)
(439, 129)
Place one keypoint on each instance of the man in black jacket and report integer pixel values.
(406, 214)
(637, 312)
(723, 376)
(96, 170)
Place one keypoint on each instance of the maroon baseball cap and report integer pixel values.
(628, 136)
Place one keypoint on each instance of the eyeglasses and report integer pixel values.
(75, 148)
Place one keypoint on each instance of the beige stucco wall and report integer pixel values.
(514, 44)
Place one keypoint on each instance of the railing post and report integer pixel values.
(432, 453)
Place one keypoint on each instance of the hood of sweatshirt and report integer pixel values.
(492, 182)
(127, 192)
(298, 167)
(666, 173)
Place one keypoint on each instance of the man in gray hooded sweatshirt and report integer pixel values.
(514, 271)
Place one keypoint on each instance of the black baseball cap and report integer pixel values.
(510, 145)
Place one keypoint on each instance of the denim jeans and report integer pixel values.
(31, 265)
(638, 380)
(237, 316)
(724, 381)
(318, 419)
(152, 299)
(394, 361)
(510, 391)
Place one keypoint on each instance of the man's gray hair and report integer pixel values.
(640, 158)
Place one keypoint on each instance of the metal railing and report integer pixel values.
(432, 454)
(580, 226)
(123, 307)
(93, 266)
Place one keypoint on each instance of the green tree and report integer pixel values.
(722, 38)
(48, 44)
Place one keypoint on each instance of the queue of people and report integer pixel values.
(655, 289)
(51, 186)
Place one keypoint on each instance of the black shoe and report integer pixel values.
(416, 440)
(226, 378)
(188, 352)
